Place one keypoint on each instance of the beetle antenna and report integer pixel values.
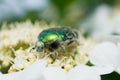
(32, 48)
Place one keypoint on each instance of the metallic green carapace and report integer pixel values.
(54, 38)
(51, 36)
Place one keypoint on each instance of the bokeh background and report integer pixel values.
(92, 17)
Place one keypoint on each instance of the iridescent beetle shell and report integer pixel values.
(54, 38)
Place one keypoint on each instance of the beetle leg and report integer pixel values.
(70, 42)
(77, 42)
(55, 55)
(62, 48)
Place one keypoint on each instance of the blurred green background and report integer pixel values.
(80, 14)
(67, 12)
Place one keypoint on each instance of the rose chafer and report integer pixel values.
(54, 38)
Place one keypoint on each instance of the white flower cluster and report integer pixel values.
(19, 8)
(103, 56)
(105, 20)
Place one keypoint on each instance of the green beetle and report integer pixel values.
(54, 38)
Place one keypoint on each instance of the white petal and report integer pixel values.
(102, 70)
(12, 76)
(118, 70)
(33, 72)
(1, 76)
(54, 73)
(83, 72)
(105, 54)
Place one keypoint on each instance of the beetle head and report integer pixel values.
(39, 46)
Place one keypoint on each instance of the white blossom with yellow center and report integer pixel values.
(104, 57)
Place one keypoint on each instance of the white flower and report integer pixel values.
(54, 73)
(80, 72)
(106, 55)
(83, 72)
(39, 71)
(15, 8)
(104, 21)
(105, 58)
(33, 72)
